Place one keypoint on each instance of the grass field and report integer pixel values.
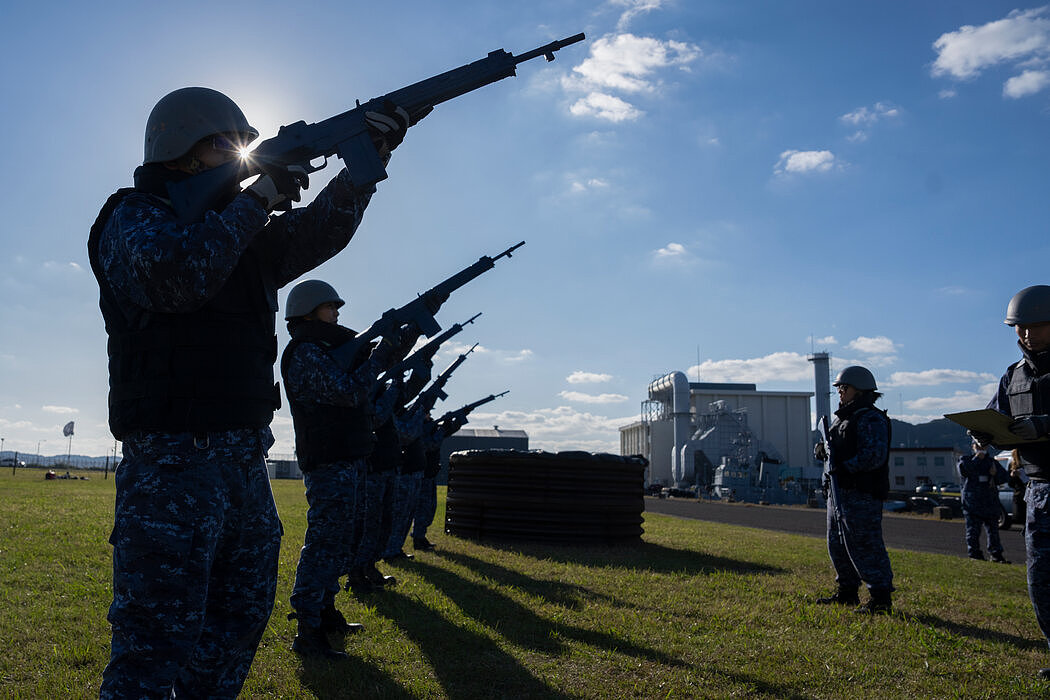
(696, 610)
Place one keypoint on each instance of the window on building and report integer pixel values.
(898, 480)
(920, 461)
(898, 461)
(938, 461)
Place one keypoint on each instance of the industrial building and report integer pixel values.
(913, 466)
(705, 434)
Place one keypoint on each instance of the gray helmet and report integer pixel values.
(1030, 305)
(184, 117)
(307, 296)
(857, 377)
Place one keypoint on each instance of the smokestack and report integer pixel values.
(822, 378)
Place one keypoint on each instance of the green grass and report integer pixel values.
(696, 610)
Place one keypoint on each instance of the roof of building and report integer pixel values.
(491, 433)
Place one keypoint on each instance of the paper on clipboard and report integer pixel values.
(993, 423)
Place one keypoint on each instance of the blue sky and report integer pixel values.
(742, 182)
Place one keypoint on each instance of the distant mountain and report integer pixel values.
(939, 433)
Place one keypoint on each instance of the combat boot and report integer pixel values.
(333, 622)
(312, 641)
(1043, 674)
(843, 596)
(878, 604)
(401, 555)
(998, 558)
(357, 582)
(377, 578)
(422, 544)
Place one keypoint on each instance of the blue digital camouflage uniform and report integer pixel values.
(1037, 466)
(333, 491)
(426, 502)
(858, 552)
(405, 487)
(196, 533)
(980, 502)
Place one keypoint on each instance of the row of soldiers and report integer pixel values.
(189, 302)
(369, 450)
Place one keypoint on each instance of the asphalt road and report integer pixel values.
(920, 533)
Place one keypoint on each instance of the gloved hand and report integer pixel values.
(820, 452)
(1030, 427)
(387, 127)
(982, 439)
(279, 186)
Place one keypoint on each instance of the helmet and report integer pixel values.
(184, 117)
(307, 296)
(857, 377)
(1030, 305)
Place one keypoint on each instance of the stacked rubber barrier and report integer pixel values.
(568, 497)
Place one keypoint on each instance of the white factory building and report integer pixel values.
(688, 429)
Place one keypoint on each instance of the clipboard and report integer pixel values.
(991, 422)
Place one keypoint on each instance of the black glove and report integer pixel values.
(1030, 427)
(820, 452)
(982, 439)
(387, 127)
(277, 187)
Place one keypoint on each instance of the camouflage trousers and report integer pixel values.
(858, 552)
(375, 520)
(195, 544)
(334, 495)
(980, 513)
(426, 507)
(1037, 545)
(402, 506)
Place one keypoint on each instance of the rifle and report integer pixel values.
(417, 358)
(421, 310)
(831, 479)
(346, 135)
(436, 391)
(460, 414)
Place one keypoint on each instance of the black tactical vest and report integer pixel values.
(844, 447)
(325, 433)
(1030, 395)
(206, 370)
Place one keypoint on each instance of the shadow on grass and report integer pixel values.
(642, 556)
(522, 626)
(352, 678)
(466, 664)
(975, 632)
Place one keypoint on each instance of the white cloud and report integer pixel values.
(932, 377)
(879, 345)
(939, 405)
(60, 410)
(672, 251)
(1021, 39)
(799, 162)
(863, 116)
(581, 397)
(579, 377)
(778, 366)
(633, 8)
(607, 107)
(826, 340)
(561, 428)
(520, 356)
(628, 64)
(594, 183)
(946, 94)
(1028, 83)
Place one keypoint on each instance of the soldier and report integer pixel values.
(406, 483)
(330, 397)
(434, 434)
(189, 310)
(1024, 395)
(980, 501)
(860, 441)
